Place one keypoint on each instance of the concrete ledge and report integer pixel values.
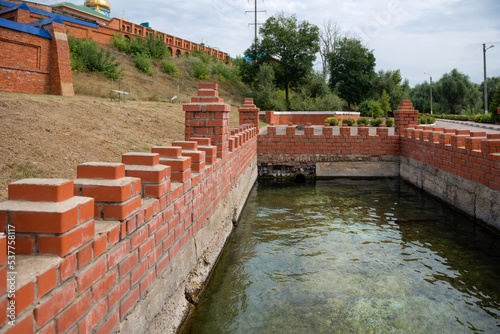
(357, 169)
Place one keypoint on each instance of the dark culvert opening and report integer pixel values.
(300, 178)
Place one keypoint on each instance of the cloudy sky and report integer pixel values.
(434, 36)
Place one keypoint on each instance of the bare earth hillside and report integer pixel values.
(48, 136)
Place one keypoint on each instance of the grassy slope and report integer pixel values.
(48, 136)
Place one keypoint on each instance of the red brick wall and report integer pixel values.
(25, 62)
(34, 64)
(326, 144)
(112, 245)
(472, 155)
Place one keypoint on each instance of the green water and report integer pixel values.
(352, 257)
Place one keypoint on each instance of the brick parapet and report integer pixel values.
(249, 113)
(327, 144)
(471, 155)
(405, 116)
(98, 276)
(209, 119)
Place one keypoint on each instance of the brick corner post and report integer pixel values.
(61, 78)
(207, 116)
(405, 116)
(249, 113)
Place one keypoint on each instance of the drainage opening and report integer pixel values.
(300, 177)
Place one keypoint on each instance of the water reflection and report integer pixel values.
(352, 256)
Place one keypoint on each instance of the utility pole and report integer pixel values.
(256, 22)
(485, 82)
(430, 75)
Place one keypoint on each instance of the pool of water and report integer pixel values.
(352, 256)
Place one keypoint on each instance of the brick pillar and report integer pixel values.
(116, 196)
(155, 178)
(207, 116)
(249, 113)
(405, 116)
(23, 15)
(61, 79)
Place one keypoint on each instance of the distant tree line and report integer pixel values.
(279, 67)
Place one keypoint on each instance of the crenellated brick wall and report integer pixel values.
(460, 167)
(290, 152)
(89, 251)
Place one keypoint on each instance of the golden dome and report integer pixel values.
(98, 4)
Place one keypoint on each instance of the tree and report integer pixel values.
(392, 83)
(249, 65)
(329, 39)
(420, 98)
(263, 88)
(457, 93)
(495, 103)
(352, 70)
(491, 86)
(293, 44)
(385, 103)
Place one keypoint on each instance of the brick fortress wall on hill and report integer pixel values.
(33, 60)
(108, 27)
(40, 64)
(102, 251)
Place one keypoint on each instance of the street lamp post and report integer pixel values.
(431, 87)
(485, 83)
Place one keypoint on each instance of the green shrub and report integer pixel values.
(157, 49)
(121, 43)
(143, 63)
(152, 46)
(333, 121)
(201, 71)
(226, 72)
(170, 68)
(376, 121)
(362, 120)
(484, 118)
(85, 57)
(467, 118)
(203, 57)
(371, 108)
(348, 121)
(329, 102)
(389, 122)
(426, 119)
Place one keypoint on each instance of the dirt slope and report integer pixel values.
(48, 136)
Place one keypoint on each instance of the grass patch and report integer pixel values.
(22, 171)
